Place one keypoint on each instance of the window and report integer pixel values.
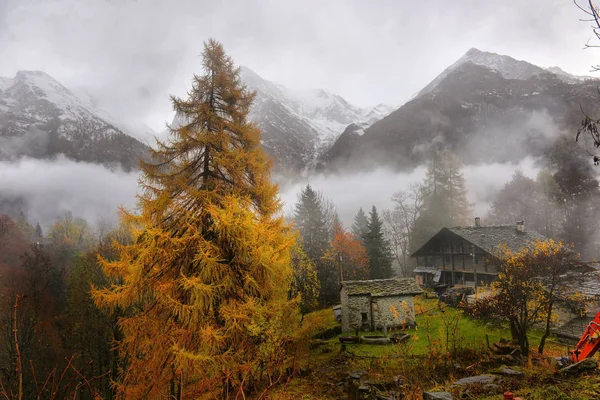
(448, 261)
(478, 259)
(364, 318)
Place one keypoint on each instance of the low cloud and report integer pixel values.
(51, 187)
(484, 180)
(32, 143)
(352, 191)
(47, 188)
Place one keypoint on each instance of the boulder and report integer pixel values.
(504, 370)
(474, 380)
(587, 364)
(491, 388)
(357, 374)
(437, 396)
(560, 361)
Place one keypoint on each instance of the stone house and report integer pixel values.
(371, 305)
(570, 324)
(464, 255)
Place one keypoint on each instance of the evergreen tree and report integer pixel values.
(205, 282)
(444, 197)
(548, 211)
(360, 227)
(525, 199)
(39, 234)
(516, 201)
(311, 221)
(576, 193)
(27, 230)
(378, 248)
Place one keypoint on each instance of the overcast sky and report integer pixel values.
(131, 54)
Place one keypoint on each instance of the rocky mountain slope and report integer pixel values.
(41, 118)
(485, 107)
(298, 126)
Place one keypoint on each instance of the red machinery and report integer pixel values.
(589, 343)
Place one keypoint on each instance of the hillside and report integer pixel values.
(300, 125)
(41, 118)
(485, 107)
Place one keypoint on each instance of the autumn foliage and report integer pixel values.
(531, 281)
(205, 283)
(354, 258)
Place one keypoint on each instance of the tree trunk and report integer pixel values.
(523, 342)
(513, 331)
(547, 332)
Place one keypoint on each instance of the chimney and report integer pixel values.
(477, 222)
(521, 226)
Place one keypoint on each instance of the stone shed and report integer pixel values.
(371, 305)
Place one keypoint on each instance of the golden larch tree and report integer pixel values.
(205, 282)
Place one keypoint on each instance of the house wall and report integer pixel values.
(383, 316)
(447, 253)
(354, 306)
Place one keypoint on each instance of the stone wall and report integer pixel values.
(383, 316)
(353, 308)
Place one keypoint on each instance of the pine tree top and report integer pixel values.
(213, 153)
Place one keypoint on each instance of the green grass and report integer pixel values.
(431, 331)
(421, 367)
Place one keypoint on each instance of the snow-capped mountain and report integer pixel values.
(507, 66)
(485, 107)
(298, 125)
(41, 118)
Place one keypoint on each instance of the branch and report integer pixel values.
(17, 350)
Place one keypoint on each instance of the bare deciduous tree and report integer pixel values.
(400, 223)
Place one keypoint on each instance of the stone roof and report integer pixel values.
(572, 330)
(383, 287)
(488, 238)
(587, 284)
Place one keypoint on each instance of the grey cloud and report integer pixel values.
(350, 192)
(50, 188)
(132, 54)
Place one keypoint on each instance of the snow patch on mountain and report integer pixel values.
(507, 66)
(570, 77)
(41, 118)
(37, 97)
(325, 113)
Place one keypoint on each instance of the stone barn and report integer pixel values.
(371, 305)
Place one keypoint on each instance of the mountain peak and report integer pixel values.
(473, 52)
(33, 73)
(507, 66)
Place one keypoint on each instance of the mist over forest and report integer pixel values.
(242, 200)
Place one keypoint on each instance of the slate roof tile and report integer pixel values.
(383, 287)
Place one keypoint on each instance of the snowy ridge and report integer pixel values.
(326, 113)
(41, 118)
(507, 66)
(570, 77)
(36, 96)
